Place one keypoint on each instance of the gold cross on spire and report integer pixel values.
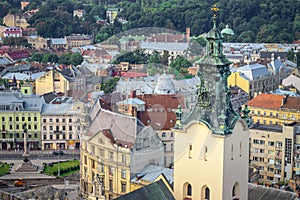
(215, 9)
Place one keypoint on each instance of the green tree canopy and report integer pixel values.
(76, 59)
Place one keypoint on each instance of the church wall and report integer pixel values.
(202, 169)
(236, 155)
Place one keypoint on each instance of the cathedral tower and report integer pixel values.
(211, 142)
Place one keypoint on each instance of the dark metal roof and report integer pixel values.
(154, 191)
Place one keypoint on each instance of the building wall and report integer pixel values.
(211, 161)
(272, 153)
(11, 123)
(52, 82)
(273, 116)
(108, 161)
(236, 80)
(61, 131)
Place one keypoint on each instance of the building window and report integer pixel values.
(44, 120)
(123, 174)
(123, 187)
(3, 119)
(10, 127)
(111, 170)
(172, 134)
(17, 127)
(101, 167)
(70, 128)
(189, 190)
(57, 120)
(63, 128)
(102, 152)
(50, 128)
(63, 120)
(51, 137)
(10, 119)
(123, 158)
(29, 118)
(207, 194)
(35, 119)
(111, 155)
(111, 183)
(50, 120)
(17, 119)
(163, 135)
(70, 136)
(45, 137)
(70, 120)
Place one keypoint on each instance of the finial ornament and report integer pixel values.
(215, 9)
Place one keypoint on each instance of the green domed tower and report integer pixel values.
(214, 106)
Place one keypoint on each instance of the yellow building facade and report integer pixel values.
(15, 20)
(106, 168)
(52, 81)
(273, 109)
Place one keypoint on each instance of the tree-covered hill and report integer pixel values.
(252, 21)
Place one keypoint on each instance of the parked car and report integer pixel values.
(58, 152)
(19, 183)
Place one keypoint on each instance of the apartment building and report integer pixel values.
(18, 113)
(274, 152)
(62, 124)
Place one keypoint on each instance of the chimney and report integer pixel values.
(134, 112)
(188, 34)
(284, 99)
(133, 94)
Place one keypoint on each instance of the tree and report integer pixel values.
(65, 59)
(291, 55)
(180, 64)
(154, 57)
(76, 59)
(38, 57)
(50, 58)
(138, 56)
(110, 85)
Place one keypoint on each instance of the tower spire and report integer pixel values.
(215, 9)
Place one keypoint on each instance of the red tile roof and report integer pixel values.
(292, 103)
(132, 74)
(271, 101)
(159, 110)
(18, 55)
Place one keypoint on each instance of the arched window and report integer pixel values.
(207, 194)
(236, 191)
(189, 190)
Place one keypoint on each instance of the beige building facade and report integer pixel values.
(274, 152)
(218, 165)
